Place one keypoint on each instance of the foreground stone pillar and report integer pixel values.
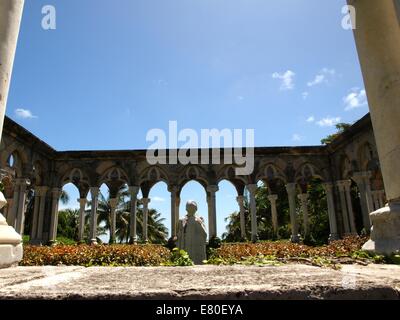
(10, 20)
(240, 202)
(55, 198)
(291, 191)
(253, 211)
(377, 36)
(274, 214)
(113, 216)
(133, 191)
(212, 211)
(94, 191)
(145, 202)
(81, 227)
(328, 187)
(10, 242)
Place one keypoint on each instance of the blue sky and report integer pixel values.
(112, 70)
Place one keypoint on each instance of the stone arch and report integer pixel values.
(272, 176)
(305, 173)
(195, 173)
(151, 176)
(114, 178)
(77, 177)
(14, 161)
(228, 173)
(366, 155)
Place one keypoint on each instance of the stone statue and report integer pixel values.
(192, 234)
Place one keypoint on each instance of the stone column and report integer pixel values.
(177, 204)
(343, 206)
(352, 221)
(240, 200)
(212, 211)
(12, 214)
(328, 187)
(145, 202)
(113, 216)
(363, 184)
(253, 211)
(377, 36)
(10, 19)
(20, 221)
(42, 193)
(94, 191)
(303, 197)
(274, 214)
(35, 217)
(55, 198)
(133, 191)
(291, 191)
(81, 227)
(174, 222)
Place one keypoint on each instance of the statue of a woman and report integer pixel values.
(192, 234)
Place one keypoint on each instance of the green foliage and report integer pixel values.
(276, 252)
(318, 215)
(67, 227)
(341, 127)
(157, 231)
(101, 255)
(179, 258)
(65, 241)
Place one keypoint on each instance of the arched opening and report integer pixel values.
(193, 190)
(159, 222)
(68, 214)
(228, 212)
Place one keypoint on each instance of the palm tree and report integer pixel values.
(157, 231)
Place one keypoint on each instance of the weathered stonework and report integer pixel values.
(350, 156)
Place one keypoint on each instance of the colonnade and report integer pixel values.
(338, 195)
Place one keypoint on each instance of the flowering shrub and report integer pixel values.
(287, 249)
(346, 250)
(102, 255)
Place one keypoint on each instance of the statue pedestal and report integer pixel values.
(10, 242)
(385, 231)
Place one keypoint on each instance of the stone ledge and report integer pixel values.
(201, 282)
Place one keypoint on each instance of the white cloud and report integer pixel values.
(240, 98)
(328, 121)
(357, 98)
(287, 79)
(297, 137)
(157, 199)
(24, 114)
(310, 119)
(322, 77)
(305, 95)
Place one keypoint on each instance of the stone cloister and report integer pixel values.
(33, 164)
(28, 163)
